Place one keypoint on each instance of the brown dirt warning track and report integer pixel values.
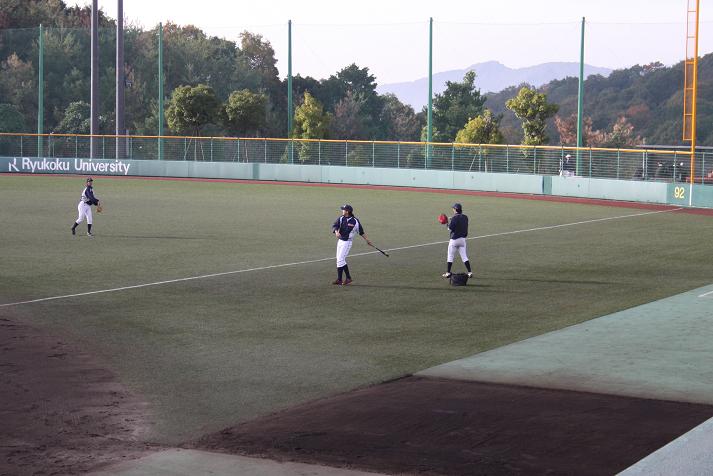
(61, 412)
(446, 427)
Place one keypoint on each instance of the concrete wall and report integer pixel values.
(638, 191)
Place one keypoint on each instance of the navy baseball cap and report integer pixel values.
(457, 206)
(347, 208)
(89, 179)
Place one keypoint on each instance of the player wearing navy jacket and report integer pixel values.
(84, 208)
(345, 228)
(458, 227)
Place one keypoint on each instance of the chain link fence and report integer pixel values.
(620, 164)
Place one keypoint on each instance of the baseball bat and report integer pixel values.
(380, 251)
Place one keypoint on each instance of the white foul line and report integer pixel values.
(284, 265)
(709, 293)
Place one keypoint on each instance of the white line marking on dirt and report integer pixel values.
(284, 265)
(709, 293)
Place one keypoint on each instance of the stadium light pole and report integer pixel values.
(41, 94)
(429, 127)
(94, 108)
(120, 81)
(580, 101)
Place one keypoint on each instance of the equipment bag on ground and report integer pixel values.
(459, 279)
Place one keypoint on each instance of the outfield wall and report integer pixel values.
(637, 191)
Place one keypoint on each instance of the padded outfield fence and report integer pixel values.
(621, 164)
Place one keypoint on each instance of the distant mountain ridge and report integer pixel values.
(491, 76)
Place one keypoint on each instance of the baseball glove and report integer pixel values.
(100, 208)
(442, 219)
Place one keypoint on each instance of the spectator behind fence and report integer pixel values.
(567, 167)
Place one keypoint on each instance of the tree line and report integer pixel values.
(220, 87)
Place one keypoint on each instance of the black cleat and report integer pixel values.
(74, 232)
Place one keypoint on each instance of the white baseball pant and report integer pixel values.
(343, 248)
(84, 211)
(458, 244)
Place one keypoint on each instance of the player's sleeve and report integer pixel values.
(335, 227)
(361, 228)
(90, 195)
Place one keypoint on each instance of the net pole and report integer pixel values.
(289, 85)
(429, 134)
(94, 107)
(41, 93)
(580, 100)
(120, 81)
(160, 91)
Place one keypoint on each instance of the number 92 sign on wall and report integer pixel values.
(679, 193)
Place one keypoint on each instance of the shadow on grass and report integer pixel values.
(161, 237)
(556, 281)
(442, 287)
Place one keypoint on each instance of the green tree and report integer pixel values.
(482, 129)
(260, 56)
(399, 120)
(459, 103)
(11, 120)
(311, 121)
(244, 112)
(622, 135)
(18, 84)
(191, 108)
(342, 91)
(533, 110)
(350, 118)
(76, 119)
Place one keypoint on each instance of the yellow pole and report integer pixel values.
(693, 105)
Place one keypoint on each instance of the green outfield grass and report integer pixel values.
(208, 353)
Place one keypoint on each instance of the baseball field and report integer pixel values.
(201, 305)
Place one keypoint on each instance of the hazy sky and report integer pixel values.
(391, 37)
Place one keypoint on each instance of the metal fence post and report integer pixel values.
(534, 160)
(480, 158)
(21, 154)
(398, 155)
(703, 168)
(319, 151)
(76, 148)
(265, 150)
(238, 151)
(453, 156)
(590, 162)
(618, 163)
(507, 159)
(373, 154)
(211, 149)
(103, 146)
(346, 153)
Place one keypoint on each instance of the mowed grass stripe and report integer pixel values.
(275, 266)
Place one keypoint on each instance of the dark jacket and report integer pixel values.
(348, 227)
(458, 226)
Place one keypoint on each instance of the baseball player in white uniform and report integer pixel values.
(84, 208)
(345, 228)
(458, 228)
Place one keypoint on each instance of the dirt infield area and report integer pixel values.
(431, 426)
(61, 412)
